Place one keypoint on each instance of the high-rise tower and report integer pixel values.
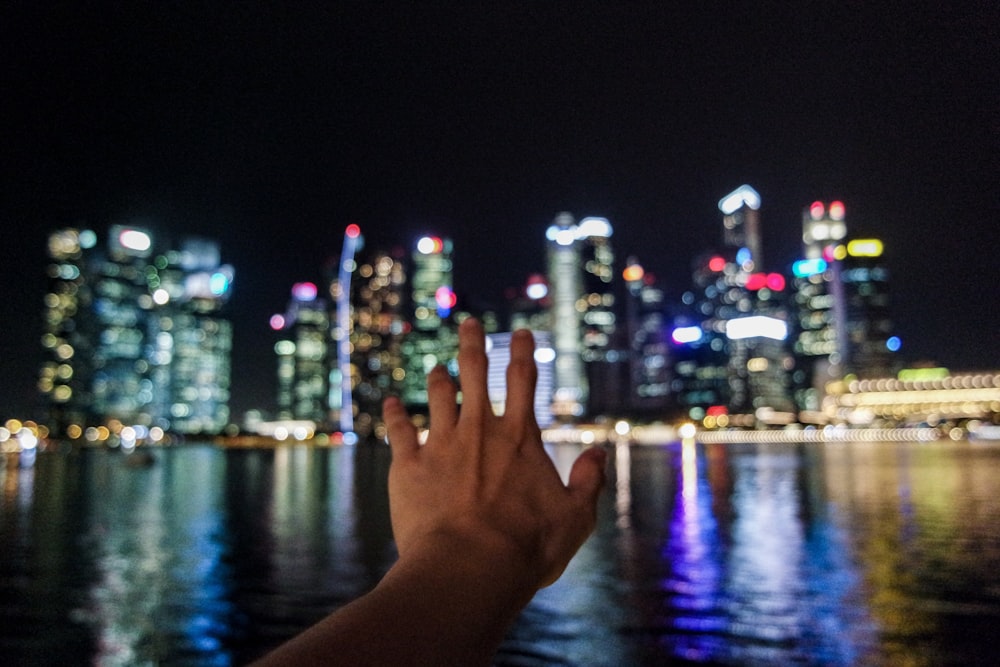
(432, 339)
(133, 334)
(584, 326)
(841, 294)
(303, 356)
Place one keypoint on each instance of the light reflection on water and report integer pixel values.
(837, 554)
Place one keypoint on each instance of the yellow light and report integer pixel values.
(73, 431)
(14, 425)
(633, 273)
(864, 248)
(840, 252)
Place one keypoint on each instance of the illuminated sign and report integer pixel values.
(588, 228)
(738, 198)
(922, 374)
(864, 248)
(684, 335)
(809, 267)
(756, 326)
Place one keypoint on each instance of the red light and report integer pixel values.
(277, 322)
(756, 281)
(444, 297)
(352, 231)
(775, 282)
(837, 210)
(716, 410)
(816, 210)
(716, 264)
(304, 291)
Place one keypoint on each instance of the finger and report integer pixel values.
(441, 394)
(586, 477)
(522, 376)
(401, 432)
(472, 368)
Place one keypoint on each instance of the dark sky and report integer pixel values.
(272, 126)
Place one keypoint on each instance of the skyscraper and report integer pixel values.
(303, 356)
(377, 332)
(433, 338)
(649, 361)
(132, 333)
(842, 303)
(584, 323)
(731, 356)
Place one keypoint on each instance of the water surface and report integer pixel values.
(835, 554)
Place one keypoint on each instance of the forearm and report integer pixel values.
(447, 603)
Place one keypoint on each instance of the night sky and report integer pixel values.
(271, 127)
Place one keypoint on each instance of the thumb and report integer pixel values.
(587, 475)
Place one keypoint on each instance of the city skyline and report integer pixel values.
(270, 132)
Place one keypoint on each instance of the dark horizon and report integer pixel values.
(270, 130)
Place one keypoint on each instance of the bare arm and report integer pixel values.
(481, 519)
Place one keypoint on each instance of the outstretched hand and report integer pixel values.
(485, 482)
(481, 518)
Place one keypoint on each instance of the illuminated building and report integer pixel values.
(841, 294)
(132, 334)
(532, 308)
(730, 357)
(433, 338)
(498, 354)
(377, 332)
(918, 395)
(302, 353)
(191, 344)
(649, 369)
(741, 225)
(584, 327)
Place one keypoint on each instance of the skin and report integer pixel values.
(481, 519)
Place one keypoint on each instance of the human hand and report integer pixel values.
(483, 485)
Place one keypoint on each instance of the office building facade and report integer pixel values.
(133, 334)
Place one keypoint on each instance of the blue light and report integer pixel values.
(894, 343)
(743, 256)
(218, 284)
(809, 267)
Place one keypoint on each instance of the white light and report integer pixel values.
(687, 430)
(133, 239)
(820, 231)
(593, 227)
(756, 326)
(426, 245)
(545, 355)
(536, 291)
(566, 237)
(622, 427)
(687, 334)
(161, 296)
(741, 196)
